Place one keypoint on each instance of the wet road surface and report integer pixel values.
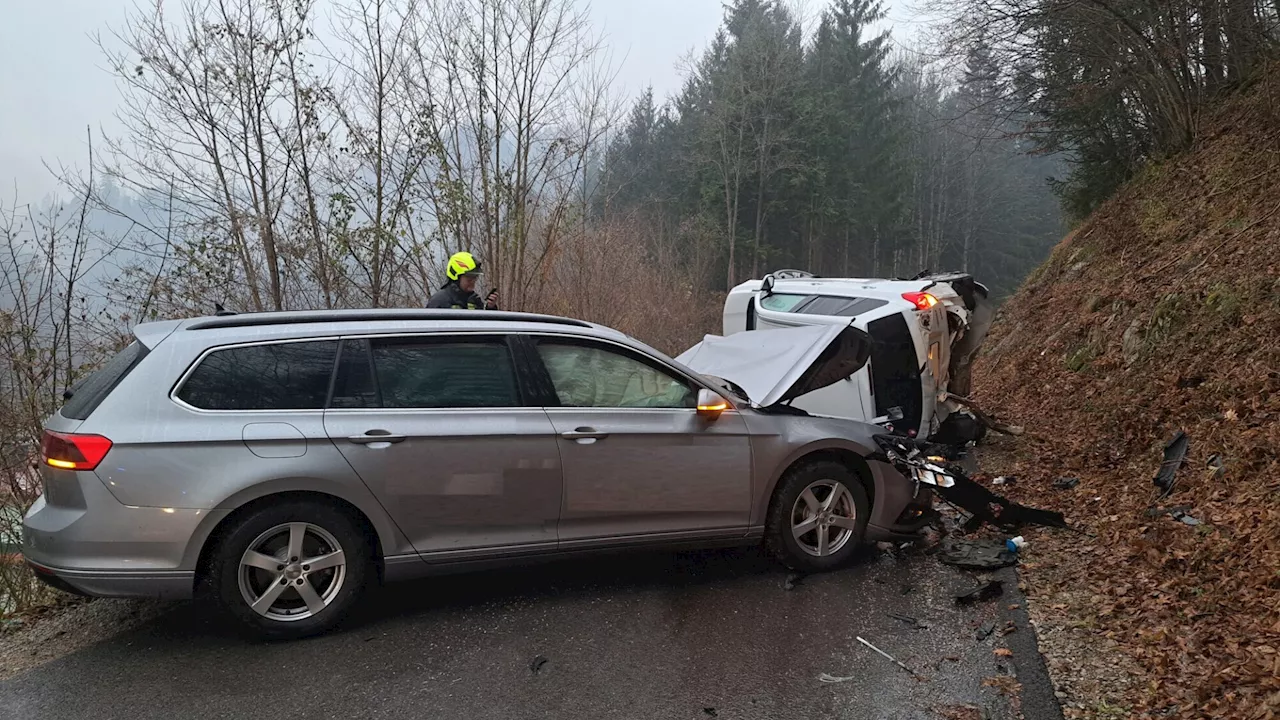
(690, 635)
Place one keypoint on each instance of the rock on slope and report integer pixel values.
(1161, 313)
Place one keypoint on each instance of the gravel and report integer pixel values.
(68, 626)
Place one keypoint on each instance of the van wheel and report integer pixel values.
(291, 570)
(818, 517)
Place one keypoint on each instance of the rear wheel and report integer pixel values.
(818, 517)
(291, 570)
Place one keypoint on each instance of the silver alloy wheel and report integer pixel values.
(823, 518)
(292, 571)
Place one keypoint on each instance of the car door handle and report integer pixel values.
(584, 435)
(375, 436)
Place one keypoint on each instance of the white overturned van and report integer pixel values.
(926, 332)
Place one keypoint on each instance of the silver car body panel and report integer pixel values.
(465, 487)
(462, 479)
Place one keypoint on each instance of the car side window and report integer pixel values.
(275, 376)
(427, 372)
(589, 375)
(781, 302)
(353, 386)
(840, 306)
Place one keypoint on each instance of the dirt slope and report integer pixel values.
(1161, 313)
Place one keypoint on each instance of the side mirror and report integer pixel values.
(766, 285)
(711, 405)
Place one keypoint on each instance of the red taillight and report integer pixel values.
(922, 300)
(73, 452)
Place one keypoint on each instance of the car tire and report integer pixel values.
(257, 559)
(801, 501)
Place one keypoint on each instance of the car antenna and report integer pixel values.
(220, 311)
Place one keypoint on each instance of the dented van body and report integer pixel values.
(925, 334)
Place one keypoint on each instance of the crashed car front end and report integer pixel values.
(770, 369)
(900, 507)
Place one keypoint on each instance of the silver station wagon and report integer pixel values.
(282, 462)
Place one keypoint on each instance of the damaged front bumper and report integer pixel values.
(902, 508)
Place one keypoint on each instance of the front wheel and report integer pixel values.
(818, 517)
(291, 570)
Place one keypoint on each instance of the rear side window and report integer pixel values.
(840, 306)
(779, 302)
(278, 376)
(416, 372)
(87, 394)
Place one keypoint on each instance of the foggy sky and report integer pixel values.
(54, 85)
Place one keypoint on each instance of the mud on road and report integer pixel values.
(690, 635)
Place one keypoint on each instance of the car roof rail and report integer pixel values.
(387, 315)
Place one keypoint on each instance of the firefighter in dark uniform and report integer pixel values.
(460, 291)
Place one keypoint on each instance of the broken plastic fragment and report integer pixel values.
(987, 506)
(886, 655)
(990, 591)
(989, 554)
(916, 624)
(1175, 454)
(1216, 466)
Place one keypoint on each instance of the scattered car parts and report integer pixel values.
(1175, 454)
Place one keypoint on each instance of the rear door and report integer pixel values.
(638, 460)
(439, 429)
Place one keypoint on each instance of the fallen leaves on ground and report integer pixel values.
(1134, 329)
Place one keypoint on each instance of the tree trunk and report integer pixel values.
(1211, 17)
(1242, 36)
(845, 272)
(755, 250)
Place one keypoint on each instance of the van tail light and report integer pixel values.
(73, 452)
(922, 300)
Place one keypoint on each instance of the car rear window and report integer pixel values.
(89, 393)
(277, 376)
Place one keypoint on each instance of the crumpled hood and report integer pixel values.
(774, 366)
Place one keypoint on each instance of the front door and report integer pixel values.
(438, 429)
(638, 460)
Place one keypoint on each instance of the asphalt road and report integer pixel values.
(691, 635)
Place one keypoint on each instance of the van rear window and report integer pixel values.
(89, 393)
